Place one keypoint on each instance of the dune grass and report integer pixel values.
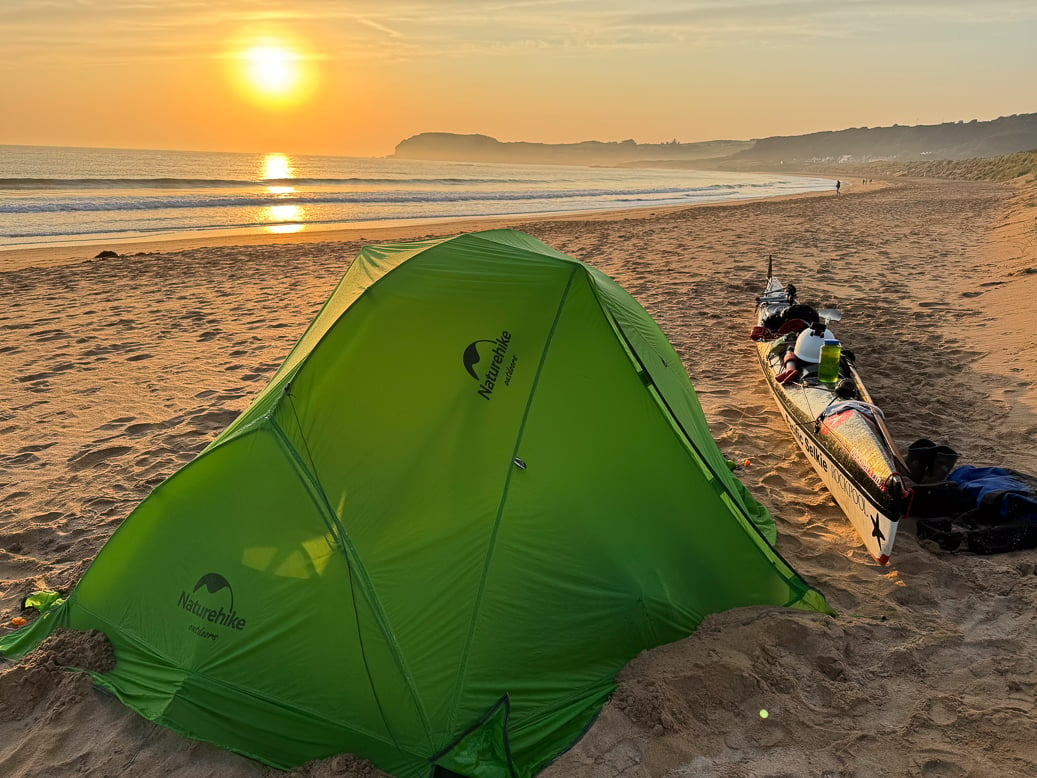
(1021, 166)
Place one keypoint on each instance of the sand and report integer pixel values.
(115, 372)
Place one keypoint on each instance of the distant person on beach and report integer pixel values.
(837, 185)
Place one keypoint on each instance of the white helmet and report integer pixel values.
(809, 343)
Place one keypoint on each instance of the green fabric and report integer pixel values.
(15, 645)
(388, 543)
(483, 752)
(43, 600)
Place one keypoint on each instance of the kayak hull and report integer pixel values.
(845, 442)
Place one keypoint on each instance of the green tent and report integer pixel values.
(478, 486)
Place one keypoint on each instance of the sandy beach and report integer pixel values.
(115, 372)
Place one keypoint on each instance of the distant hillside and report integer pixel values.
(482, 148)
(1008, 167)
(948, 141)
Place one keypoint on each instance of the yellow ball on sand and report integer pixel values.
(763, 713)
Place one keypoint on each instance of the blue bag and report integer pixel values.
(986, 510)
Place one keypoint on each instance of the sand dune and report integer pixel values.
(116, 372)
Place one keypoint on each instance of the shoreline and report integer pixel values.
(17, 257)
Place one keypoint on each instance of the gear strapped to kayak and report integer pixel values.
(842, 432)
(832, 417)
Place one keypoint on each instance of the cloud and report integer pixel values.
(123, 31)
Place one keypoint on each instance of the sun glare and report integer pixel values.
(282, 217)
(285, 218)
(278, 167)
(274, 73)
(272, 70)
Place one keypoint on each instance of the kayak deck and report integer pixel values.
(842, 433)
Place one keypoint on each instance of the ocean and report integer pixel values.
(55, 196)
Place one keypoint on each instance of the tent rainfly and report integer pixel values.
(478, 486)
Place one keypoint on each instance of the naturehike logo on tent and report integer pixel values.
(499, 353)
(204, 609)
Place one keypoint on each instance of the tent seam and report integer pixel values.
(675, 423)
(288, 377)
(282, 380)
(463, 669)
(719, 486)
(317, 343)
(356, 568)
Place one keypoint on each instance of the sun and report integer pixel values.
(272, 70)
(274, 73)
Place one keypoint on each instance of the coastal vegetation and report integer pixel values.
(947, 150)
(1007, 167)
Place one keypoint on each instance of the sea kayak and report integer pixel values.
(836, 423)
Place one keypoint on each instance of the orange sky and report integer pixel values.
(355, 78)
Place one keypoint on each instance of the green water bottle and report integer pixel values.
(828, 367)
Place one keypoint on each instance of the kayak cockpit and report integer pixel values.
(830, 413)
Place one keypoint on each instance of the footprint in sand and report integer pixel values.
(127, 323)
(97, 351)
(46, 336)
(139, 429)
(35, 377)
(116, 423)
(211, 421)
(20, 460)
(942, 768)
(731, 414)
(104, 506)
(14, 567)
(35, 448)
(774, 481)
(95, 457)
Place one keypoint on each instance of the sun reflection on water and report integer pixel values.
(284, 218)
(277, 166)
